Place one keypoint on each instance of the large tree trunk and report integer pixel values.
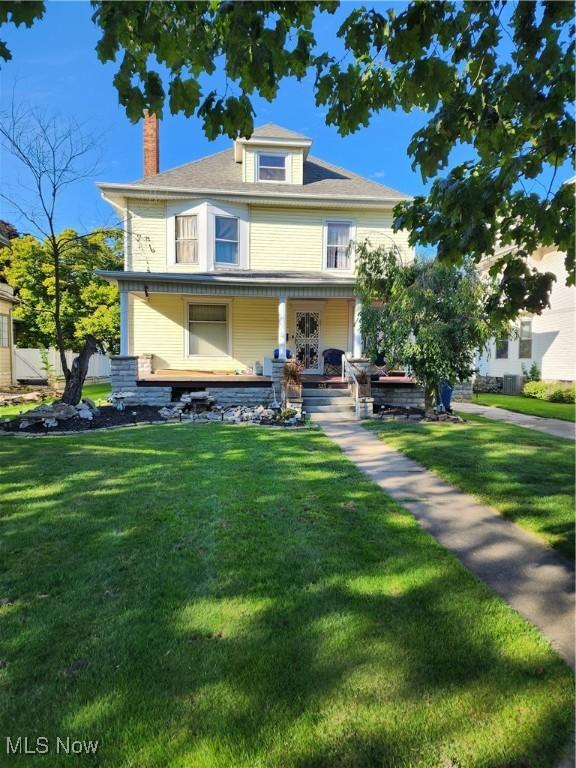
(429, 398)
(75, 381)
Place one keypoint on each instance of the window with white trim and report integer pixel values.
(225, 240)
(271, 167)
(502, 348)
(208, 329)
(338, 245)
(186, 239)
(4, 331)
(525, 342)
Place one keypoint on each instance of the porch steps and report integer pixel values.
(328, 401)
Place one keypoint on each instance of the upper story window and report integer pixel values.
(226, 240)
(186, 239)
(338, 244)
(525, 343)
(272, 167)
(502, 348)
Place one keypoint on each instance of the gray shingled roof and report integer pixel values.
(273, 131)
(220, 173)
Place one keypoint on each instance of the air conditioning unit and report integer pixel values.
(512, 385)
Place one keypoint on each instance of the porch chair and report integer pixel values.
(332, 361)
(378, 367)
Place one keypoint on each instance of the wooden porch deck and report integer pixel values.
(201, 379)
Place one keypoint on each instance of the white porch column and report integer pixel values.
(123, 323)
(357, 335)
(282, 327)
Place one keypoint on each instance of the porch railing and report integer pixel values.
(349, 374)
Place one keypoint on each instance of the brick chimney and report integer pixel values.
(151, 145)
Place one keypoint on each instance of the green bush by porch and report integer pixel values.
(218, 596)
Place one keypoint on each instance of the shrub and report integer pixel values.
(533, 373)
(535, 389)
(554, 392)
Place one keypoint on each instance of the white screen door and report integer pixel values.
(307, 340)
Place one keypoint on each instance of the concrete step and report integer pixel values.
(333, 408)
(309, 392)
(333, 401)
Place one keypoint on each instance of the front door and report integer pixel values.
(307, 340)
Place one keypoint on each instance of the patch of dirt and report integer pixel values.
(108, 417)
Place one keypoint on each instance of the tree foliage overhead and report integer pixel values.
(89, 305)
(496, 77)
(428, 315)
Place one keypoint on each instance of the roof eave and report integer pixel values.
(130, 190)
(119, 276)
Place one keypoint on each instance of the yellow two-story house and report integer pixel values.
(236, 261)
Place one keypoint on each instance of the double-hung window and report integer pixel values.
(338, 245)
(525, 342)
(4, 331)
(186, 239)
(208, 329)
(502, 348)
(271, 167)
(225, 240)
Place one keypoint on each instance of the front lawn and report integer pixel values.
(526, 475)
(528, 405)
(216, 596)
(96, 392)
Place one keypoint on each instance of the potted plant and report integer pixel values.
(292, 380)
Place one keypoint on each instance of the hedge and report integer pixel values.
(554, 392)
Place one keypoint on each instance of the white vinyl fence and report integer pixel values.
(28, 365)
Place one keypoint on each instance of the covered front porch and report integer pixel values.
(231, 327)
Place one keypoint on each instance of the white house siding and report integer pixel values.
(553, 332)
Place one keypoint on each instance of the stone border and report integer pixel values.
(139, 424)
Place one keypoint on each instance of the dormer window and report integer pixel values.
(272, 167)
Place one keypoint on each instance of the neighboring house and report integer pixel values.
(546, 339)
(236, 255)
(7, 301)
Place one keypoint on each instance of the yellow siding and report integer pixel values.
(292, 239)
(295, 158)
(6, 352)
(298, 167)
(281, 239)
(249, 166)
(157, 326)
(146, 236)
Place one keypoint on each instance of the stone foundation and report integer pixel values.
(462, 392)
(407, 396)
(488, 384)
(124, 376)
(227, 397)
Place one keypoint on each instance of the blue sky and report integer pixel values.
(54, 68)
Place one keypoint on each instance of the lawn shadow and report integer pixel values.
(208, 595)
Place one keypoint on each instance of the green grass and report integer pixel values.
(528, 405)
(526, 475)
(95, 392)
(217, 596)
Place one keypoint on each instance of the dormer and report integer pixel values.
(272, 155)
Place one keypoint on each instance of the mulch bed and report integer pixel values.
(109, 417)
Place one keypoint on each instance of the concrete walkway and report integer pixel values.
(555, 427)
(534, 580)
